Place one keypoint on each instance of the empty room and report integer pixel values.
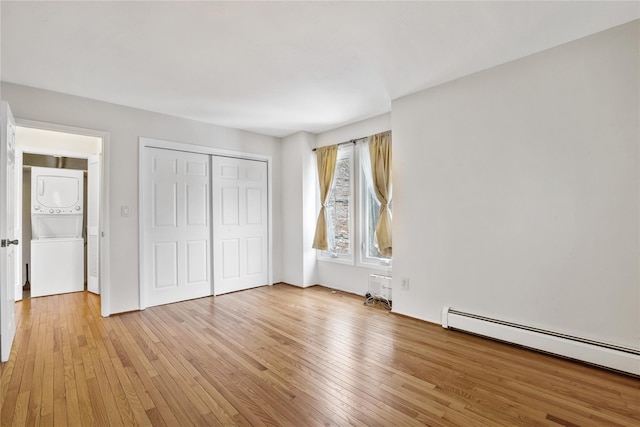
(301, 213)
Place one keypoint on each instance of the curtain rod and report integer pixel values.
(352, 141)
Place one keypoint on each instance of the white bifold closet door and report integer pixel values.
(93, 224)
(177, 226)
(240, 224)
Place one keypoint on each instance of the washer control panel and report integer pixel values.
(57, 211)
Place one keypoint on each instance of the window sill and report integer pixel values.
(336, 260)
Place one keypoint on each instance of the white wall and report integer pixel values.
(125, 125)
(298, 210)
(516, 192)
(350, 278)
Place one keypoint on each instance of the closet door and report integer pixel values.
(93, 224)
(240, 224)
(177, 229)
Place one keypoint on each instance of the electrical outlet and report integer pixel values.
(405, 283)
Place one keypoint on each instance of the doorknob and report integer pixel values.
(5, 242)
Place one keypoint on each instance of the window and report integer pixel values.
(339, 208)
(369, 213)
(342, 207)
(369, 218)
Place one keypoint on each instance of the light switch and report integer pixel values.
(124, 211)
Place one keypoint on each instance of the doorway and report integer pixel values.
(61, 147)
(54, 253)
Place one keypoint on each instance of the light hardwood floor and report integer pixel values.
(282, 355)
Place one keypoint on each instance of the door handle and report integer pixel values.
(6, 242)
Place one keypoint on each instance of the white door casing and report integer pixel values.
(7, 232)
(102, 153)
(240, 224)
(177, 228)
(93, 224)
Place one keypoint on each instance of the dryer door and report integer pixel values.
(57, 191)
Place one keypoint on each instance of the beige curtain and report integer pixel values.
(380, 154)
(326, 159)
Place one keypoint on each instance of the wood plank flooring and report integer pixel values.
(284, 356)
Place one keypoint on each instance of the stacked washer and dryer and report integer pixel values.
(57, 245)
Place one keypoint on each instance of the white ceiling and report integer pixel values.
(277, 67)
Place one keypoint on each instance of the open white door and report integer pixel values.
(8, 237)
(240, 224)
(93, 224)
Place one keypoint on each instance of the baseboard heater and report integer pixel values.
(616, 357)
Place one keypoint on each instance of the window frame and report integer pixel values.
(364, 260)
(344, 152)
(357, 216)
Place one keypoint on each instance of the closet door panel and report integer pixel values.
(240, 224)
(177, 230)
